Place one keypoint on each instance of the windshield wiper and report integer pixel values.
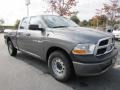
(59, 26)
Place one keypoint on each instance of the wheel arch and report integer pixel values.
(8, 39)
(52, 49)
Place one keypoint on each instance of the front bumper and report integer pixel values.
(91, 69)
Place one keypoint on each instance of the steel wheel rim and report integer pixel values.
(58, 67)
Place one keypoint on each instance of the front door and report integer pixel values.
(36, 37)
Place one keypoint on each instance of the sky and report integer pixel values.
(11, 10)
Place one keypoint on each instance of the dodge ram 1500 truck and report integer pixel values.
(67, 48)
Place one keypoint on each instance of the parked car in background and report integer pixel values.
(116, 33)
(109, 29)
(63, 45)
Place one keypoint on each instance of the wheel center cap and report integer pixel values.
(59, 66)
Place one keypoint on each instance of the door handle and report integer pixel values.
(19, 33)
(28, 34)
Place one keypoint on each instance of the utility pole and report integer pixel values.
(27, 10)
(27, 3)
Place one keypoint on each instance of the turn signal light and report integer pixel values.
(80, 52)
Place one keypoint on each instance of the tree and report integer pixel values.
(112, 11)
(1, 22)
(75, 19)
(62, 7)
(98, 21)
(16, 24)
(84, 23)
(93, 21)
(102, 20)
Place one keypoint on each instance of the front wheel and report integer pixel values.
(11, 49)
(59, 66)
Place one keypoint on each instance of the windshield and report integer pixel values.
(58, 22)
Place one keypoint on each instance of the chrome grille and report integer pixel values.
(104, 46)
(104, 42)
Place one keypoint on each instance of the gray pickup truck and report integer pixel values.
(67, 48)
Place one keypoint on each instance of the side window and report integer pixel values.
(36, 21)
(24, 24)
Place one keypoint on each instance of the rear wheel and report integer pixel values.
(59, 66)
(11, 49)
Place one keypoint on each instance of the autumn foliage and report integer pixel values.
(63, 7)
(112, 11)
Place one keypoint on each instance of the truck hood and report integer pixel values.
(80, 34)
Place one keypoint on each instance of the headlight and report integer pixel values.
(83, 49)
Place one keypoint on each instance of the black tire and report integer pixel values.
(11, 49)
(66, 72)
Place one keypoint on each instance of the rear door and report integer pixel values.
(22, 35)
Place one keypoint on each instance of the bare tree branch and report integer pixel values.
(63, 7)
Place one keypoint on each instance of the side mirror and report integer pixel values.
(35, 27)
(109, 30)
(21, 27)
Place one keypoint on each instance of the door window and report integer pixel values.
(36, 20)
(24, 24)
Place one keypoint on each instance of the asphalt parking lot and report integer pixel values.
(25, 72)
